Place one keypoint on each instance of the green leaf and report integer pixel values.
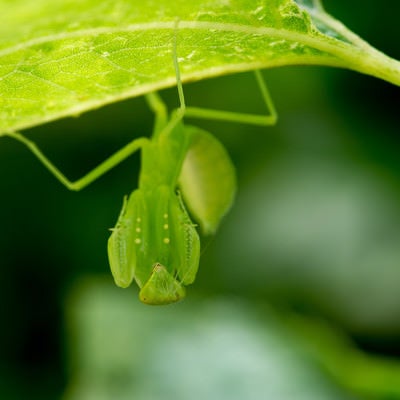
(219, 349)
(62, 58)
(242, 351)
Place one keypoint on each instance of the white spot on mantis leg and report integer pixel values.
(138, 230)
(166, 240)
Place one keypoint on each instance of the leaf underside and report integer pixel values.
(62, 58)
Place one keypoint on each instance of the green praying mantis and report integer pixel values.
(184, 169)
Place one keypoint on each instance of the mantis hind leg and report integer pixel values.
(91, 176)
(245, 118)
(161, 120)
(206, 113)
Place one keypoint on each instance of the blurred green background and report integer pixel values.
(298, 295)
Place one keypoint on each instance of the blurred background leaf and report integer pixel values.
(315, 228)
(218, 349)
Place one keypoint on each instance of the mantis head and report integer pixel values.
(161, 288)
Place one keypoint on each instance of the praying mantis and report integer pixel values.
(184, 170)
